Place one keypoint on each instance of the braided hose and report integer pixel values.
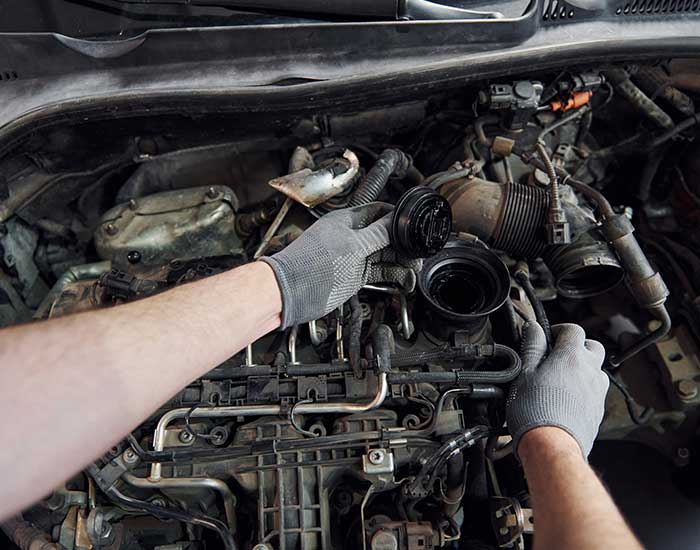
(390, 162)
(410, 358)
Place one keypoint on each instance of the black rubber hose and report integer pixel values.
(651, 167)
(409, 358)
(461, 377)
(540, 314)
(161, 512)
(586, 190)
(512, 322)
(315, 370)
(631, 92)
(390, 162)
(673, 132)
(383, 343)
(479, 125)
(355, 345)
(238, 371)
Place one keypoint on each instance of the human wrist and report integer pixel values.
(270, 287)
(548, 442)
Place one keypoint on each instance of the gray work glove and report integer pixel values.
(334, 258)
(565, 389)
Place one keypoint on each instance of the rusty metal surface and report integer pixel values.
(183, 224)
(313, 187)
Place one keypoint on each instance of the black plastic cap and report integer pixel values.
(421, 224)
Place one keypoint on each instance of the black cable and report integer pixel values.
(188, 427)
(540, 314)
(562, 121)
(638, 418)
(450, 448)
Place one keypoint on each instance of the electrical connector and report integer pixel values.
(558, 230)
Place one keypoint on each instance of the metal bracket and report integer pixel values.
(510, 520)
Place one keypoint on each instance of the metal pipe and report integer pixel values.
(216, 485)
(643, 282)
(406, 329)
(261, 410)
(71, 275)
(339, 334)
(249, 356)
(316, 339)
(274, 226)
(662, 316)
(292, 344)
(26, 536)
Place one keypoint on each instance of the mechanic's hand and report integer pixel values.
(334, 258)
(565, 389)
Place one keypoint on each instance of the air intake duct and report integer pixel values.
(460, 287)
(512, 218)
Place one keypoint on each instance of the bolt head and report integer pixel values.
(133, 256)
(376, 456)
(129, 456)
(687, 389)
(186, 437)
(212, 193)
(111, 229)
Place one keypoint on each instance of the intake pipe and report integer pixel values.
(513, 218)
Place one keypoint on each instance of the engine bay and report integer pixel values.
(567, 196)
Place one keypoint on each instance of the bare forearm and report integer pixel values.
(572, 509)
(74, 386)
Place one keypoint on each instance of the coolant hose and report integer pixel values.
(461, 377)
(390, 162)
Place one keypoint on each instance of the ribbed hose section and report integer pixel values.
(391, 161)
(522, 220)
